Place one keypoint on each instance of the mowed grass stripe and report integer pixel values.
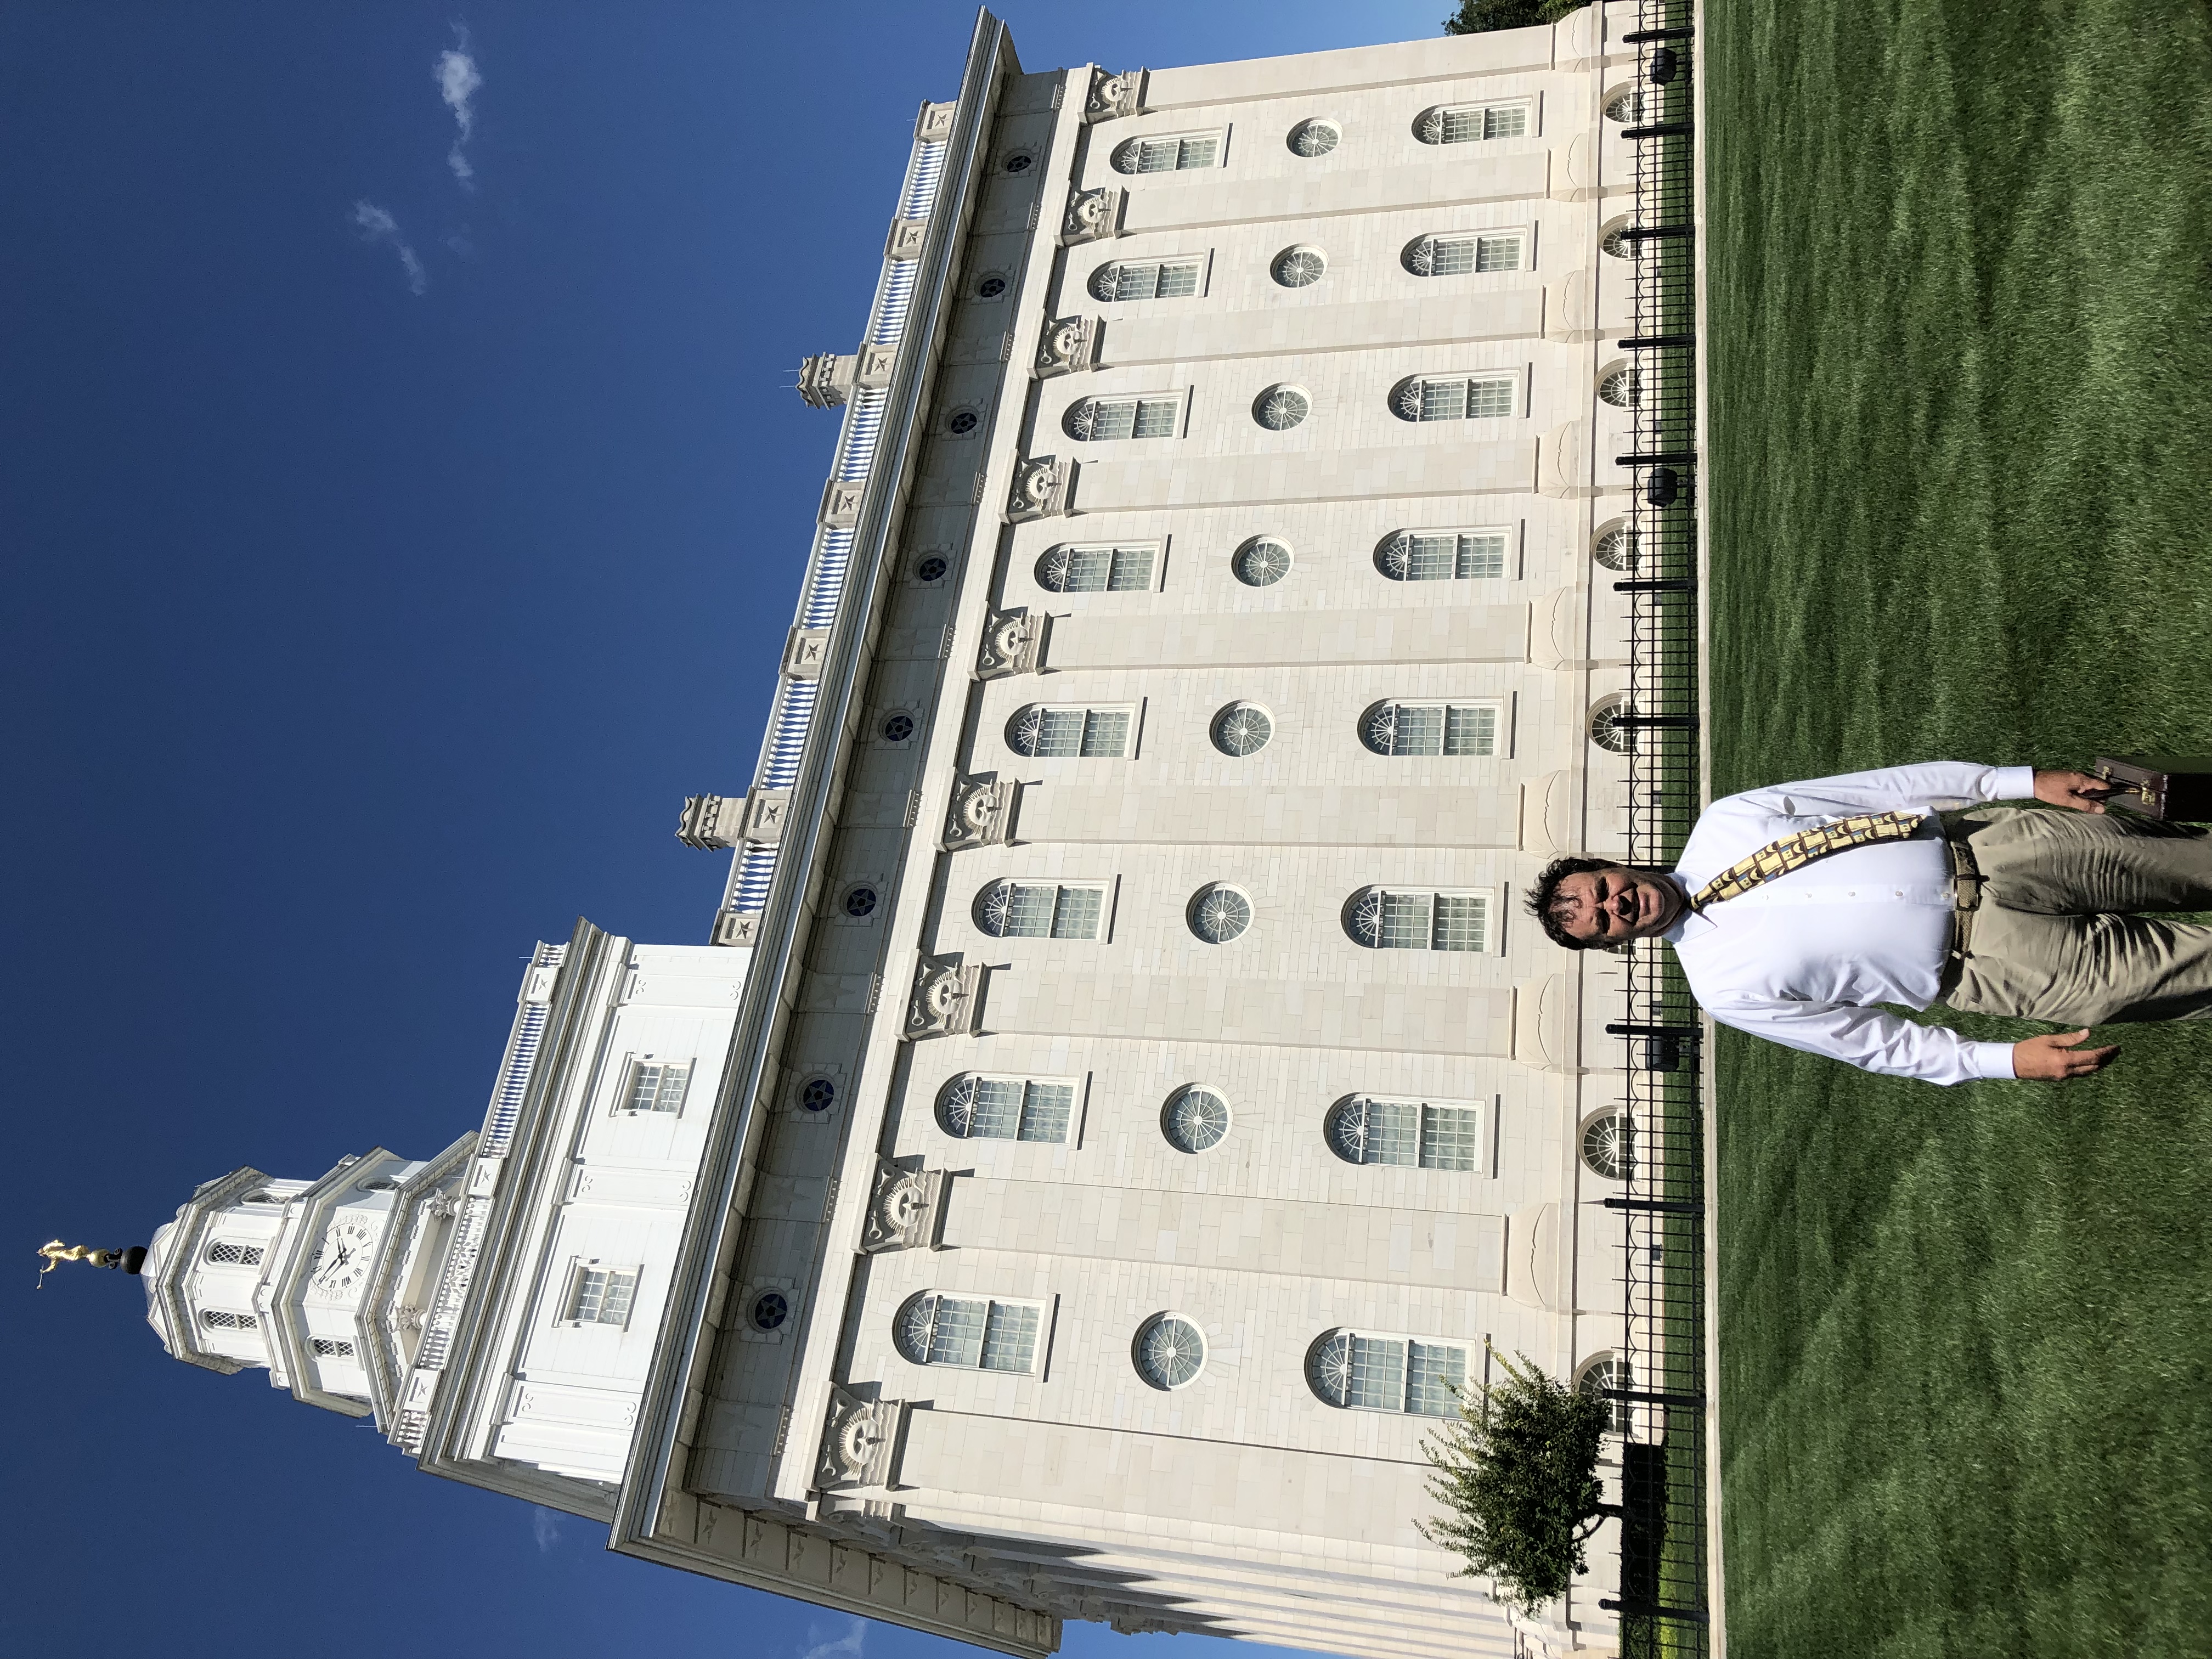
(1961, 346)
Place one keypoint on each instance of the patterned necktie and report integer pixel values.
(1779, 858)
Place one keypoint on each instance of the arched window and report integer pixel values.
(1066, 733)
(225, 1253)
(1462, 124)
(1615, 241)
(1040, 909)
(1464, 255)
(1146, 279)
(972, 1107)
(1170, 1351)
(1615, 547)
(221, 1319)
(1625, 106)
(1096, 569)
(1608, 1146)
(1103, 420)
(1598, 1376)
(1431, 556)
(969, 1332)
(330, 1348)
(1179, 154)
(1454, 397)
(1619, 385)
(1398, 919)
(1606, 730)
(1431, 728)
(1387, 1373)
(1404, 1134)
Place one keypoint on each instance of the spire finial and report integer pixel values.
(56, 1253)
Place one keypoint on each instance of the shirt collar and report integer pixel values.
(1689, 923)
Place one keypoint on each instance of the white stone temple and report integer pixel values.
(1121, 1105)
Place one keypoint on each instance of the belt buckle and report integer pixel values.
(1968, 889)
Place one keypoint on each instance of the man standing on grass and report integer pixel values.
(1795, 909)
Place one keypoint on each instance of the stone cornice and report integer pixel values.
(708, 1235)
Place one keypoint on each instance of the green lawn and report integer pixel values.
(1961, 350)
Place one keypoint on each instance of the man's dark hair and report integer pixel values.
(1543, 898)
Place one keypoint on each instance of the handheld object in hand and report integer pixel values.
(2170, 787)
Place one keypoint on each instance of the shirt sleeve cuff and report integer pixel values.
(1989, 1059)
(2012, 783)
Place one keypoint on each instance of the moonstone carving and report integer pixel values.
(979, 814)
(1067, 344)
(1112, 94)
(901, 1208)
(1041, 488)
(1013, 643)
(857, 1438)
(1091, 215)
(945, 998)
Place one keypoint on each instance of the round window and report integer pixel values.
(1020, 162)
(1609, 1146)
(991, 287)
(1242, 729)
(1314, 137)
(1262, 562)
(770, 1309)
(859, 902)
(379, 1186)
(1194, 1119)
(963, 421)
(898, 728)
(932, 569)
(1280, 408)
(819, 1094)
(1170, 1351)
(1218, 913)
(1299, 267)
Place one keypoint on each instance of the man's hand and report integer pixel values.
(2079, 790)
(2059, 1057)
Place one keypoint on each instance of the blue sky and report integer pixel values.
(405, 503)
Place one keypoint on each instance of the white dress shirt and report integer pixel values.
(1799, 959)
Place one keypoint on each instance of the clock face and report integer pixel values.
(341, 1259)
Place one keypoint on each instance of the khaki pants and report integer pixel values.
(2057, 936)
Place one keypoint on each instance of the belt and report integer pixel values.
(1966, 882)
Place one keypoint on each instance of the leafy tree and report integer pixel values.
(1481, 17)
(1516, 1472)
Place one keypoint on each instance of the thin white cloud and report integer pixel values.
(376, 225)
(847, 1646)
(457, 80)
(544, 1526)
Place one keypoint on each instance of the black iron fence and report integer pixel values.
(1660, 1391)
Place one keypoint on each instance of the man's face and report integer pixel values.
(1610, 905)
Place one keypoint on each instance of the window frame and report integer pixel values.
(1483, 1112)
(1179, 396)
(1079, 1088)
(1501, 741)
(572, 1295)
(333, 1347)
(1108, 891)
(1133, 148)
(1409, 1343)
(1203, 261)
(1155, 550)
(633, 1066)
(1040, 1332)
(1509, 569)
(1134, 711)
(248, 1254)
(1490, 942)
(1413, 387)
(1441, 114)
(1523, 236)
